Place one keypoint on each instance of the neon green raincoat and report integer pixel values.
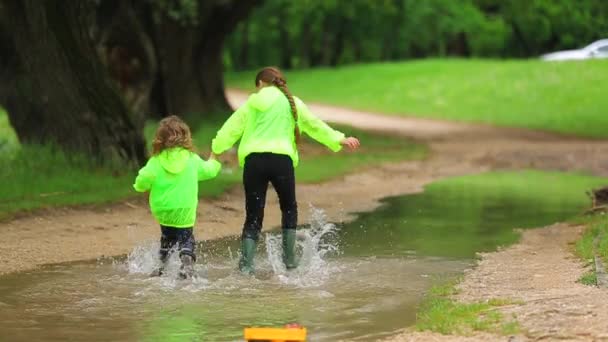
(172, 178)
(265, 124)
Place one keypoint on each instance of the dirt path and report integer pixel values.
(456, 149)
(538, 274)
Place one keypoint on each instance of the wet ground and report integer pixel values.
(358, 281)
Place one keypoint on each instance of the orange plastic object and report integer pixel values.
(275, 335)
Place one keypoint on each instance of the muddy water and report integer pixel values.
(358, 281)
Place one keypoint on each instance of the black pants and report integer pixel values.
(261, 168)
(172, 237)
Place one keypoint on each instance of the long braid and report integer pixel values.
(272, 75)
(282, 85)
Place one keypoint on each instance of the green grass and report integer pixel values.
(567, 97)
(440, 313)
(586, 248)
(376, 148)
(41, 176)
(589, 278)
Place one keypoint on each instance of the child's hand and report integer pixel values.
(350, 142)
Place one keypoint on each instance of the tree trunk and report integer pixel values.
(244, 47)
(520, 37)
(182, 90)
(338, 44)
(285, 50)
(391, 46)
(210, 74)
(60, 92)
(306, 43)
(190, 58)
(219, 20)
(128, 52)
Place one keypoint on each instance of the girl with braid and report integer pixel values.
(269, 126)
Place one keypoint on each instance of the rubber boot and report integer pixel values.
(289, 249)
(157, 272)
(247, 253)
(163, 255)
(187, 269)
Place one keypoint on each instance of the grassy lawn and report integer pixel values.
(40, 176)
(567, 97)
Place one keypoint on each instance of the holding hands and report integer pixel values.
(350, 142)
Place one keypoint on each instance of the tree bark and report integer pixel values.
(306, 42)
(191, 59)
(338, 44)
(285, 50)
(243, 57)
(128, 52)
(181, 88)
(220, 19)
(60, 92)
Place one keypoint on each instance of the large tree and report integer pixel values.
(55, 88)
(81, 74)
(189, 42)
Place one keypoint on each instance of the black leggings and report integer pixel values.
(172, 237)
(261, 168)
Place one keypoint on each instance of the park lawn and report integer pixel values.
(42, 177)
(564, 97)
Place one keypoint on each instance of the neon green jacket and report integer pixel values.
(172, 178)
(265, 124)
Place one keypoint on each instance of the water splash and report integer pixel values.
(313, 245)
(144, 258)
(315, 242)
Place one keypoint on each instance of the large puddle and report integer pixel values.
(358, 281)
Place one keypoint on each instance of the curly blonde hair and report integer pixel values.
(172, 132)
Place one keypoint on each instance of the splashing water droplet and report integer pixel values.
(313, 244)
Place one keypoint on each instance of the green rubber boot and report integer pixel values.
(247, 253)
(289, 249)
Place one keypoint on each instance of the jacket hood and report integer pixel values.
(266, 97)
(174, 160)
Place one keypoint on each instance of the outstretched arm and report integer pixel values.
(208, 169)
(145, 177)
(321, 132)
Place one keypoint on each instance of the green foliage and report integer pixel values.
(183, 11)
(329, 32)
(562, 97)
(440, 313)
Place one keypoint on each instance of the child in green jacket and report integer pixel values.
(172, 175)
(268, 126)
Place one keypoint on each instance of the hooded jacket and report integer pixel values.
(265, 124)
(172, 178)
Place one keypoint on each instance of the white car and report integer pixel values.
(598, 49)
